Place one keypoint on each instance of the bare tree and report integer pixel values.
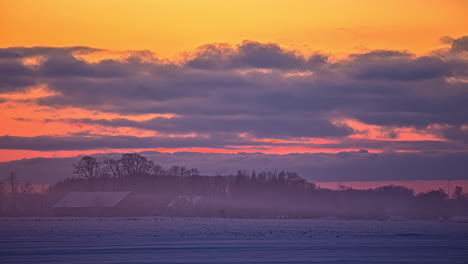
(262, 177)
(254, 176)
(174, 171)
(27, 189)
(458, 193)
(282, 176)
(88, 167)
(158, 170)
(114, 167)
(294, 178)
(182, 171)
(194, 172)
(134, 164)
(241, 176)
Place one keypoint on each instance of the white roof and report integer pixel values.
(91, 199)
(193, 199)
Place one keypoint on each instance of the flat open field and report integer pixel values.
(203, 240)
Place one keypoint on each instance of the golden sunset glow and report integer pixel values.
(172, 27)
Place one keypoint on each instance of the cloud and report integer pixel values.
(9, 54)
(252, 54)
(14, 75)
(460, 44)
(380, 55)
(406, 69)
(258, 127)
(23, 52)
(86, 141)
(219, 140)
(270, 55)
(259, 89)
(69, 66)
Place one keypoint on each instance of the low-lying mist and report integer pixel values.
(135, 186)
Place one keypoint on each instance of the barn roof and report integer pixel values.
(187, 199)
(91, 199)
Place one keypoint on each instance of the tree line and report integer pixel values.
(133, 168)
(242, 194)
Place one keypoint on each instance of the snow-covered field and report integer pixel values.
(202, 240)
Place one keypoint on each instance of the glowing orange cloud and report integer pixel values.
(21, 116)
(34, 92)
(298, 141)
(374, 132)
(266, 149)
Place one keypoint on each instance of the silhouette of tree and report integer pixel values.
(174, 171)
(433, 196)
(262, 177)
(114, 167)
(256, 194)
(88, 168)
(182, 171)
(458, 193)
(254, 178)
(241, 176)
(194, 172)
(293, 178)
(26, 189)
(134, 164)
(158, 170)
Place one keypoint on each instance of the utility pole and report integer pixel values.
(2, 196)
(13, 184)
(448, 187)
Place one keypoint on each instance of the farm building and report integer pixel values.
(185, 201)
(90, 203)
(111, 204)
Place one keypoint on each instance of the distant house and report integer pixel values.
(185, 201)
(194, 206)
(90, 203)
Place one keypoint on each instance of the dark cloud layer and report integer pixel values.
(89, 142)
(258, 88)
(259, 127)
(14, 75)
(221, 140)
(251, 54)
(460, 44)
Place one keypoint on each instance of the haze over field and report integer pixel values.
(134, 185)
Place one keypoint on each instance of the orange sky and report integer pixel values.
(172, 27)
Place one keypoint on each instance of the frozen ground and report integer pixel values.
(200, 240)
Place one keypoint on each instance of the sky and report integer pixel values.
(227, 77)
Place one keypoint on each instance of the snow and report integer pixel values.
(205, 240)
(91, 199)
